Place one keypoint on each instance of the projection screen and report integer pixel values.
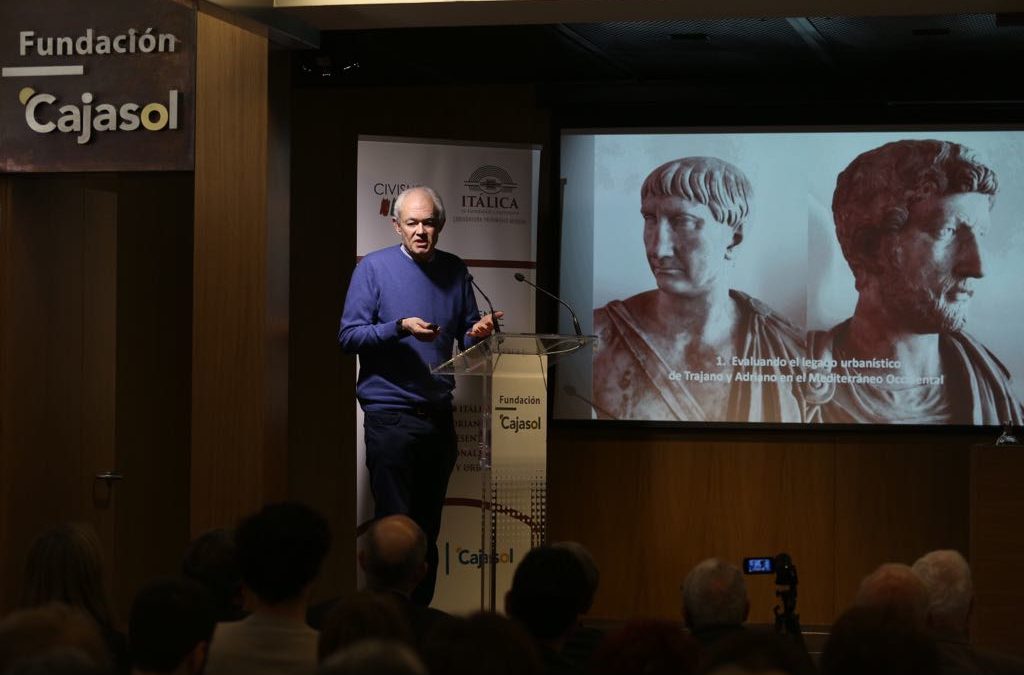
(730, 280)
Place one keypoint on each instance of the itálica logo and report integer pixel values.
(490, 187)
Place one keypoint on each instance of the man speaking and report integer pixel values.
(406, 306)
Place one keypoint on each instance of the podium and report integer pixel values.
(512, 444)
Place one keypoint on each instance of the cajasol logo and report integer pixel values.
(467, 557)
(44, 114)
(516, 424)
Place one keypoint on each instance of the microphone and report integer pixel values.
(575, 321)
(494, 319)
(571, 391)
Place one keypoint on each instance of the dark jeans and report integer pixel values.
(410, 456)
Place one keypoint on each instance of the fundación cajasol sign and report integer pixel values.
(104, 85)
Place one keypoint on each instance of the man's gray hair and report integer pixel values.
(947, 577)
(894, 588)
(714, 594)
(439, 212)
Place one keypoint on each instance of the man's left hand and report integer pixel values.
(485, 326)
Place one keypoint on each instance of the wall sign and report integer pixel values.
(106, 85)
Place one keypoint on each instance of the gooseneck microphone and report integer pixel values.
(494, 319)
(575, 321)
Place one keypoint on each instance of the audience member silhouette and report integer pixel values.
(869, 640)
(649, 647)
(170, 628)
(374, 657)
(947, 579)
(363, 616)
(52, 637)
(280, 550)
(715, 602)
(211, 560)
(895, 589)
(483, 644)
(757, 652)
(545, 598)
(583, 640)
(394, 560)
(65, 564)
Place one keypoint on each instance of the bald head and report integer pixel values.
(947, 579)
(394, 556)
(714, 594)
(894, 588)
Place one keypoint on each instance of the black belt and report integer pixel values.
(424, 410)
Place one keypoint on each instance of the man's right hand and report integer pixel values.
(423, 331)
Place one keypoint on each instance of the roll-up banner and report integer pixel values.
(490, 195)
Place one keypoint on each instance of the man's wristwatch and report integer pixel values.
(401, 329)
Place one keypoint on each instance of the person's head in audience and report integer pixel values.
(547, 587)
(757, 653)
(57, 661)
(649, 647)
(280, 550)
(590, 571)
(170, 627)
(56, 634)
(869, 640)
(947, 579)
(484, 643)
(894, 588)
(211, 560)
(394, 555)
(65, 564)
(714, 598)
(374, 657)
(363, 616)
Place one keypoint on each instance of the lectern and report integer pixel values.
(513, 444)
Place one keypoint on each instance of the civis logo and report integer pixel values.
(490, 187)
(387, 192)
(43, 116)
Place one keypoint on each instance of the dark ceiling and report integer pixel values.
(918, 61)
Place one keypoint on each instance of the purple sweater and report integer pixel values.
(387, 285)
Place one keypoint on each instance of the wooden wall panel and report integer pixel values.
(154, 337)
(997, 546)
(651, 509)
(897, 497)
(650, 505)
(239, 409)
(57, 360)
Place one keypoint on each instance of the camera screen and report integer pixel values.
(758, 566)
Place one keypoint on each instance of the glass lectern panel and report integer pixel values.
(478, 359)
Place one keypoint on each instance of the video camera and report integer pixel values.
(787, 621)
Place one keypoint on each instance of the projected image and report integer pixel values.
(836, 278)
(693, 347)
